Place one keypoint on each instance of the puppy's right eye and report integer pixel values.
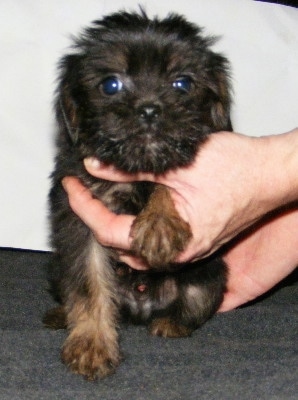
(111, 85)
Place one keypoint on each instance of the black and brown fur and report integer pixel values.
(173, 92)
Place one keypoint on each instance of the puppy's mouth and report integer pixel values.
(141, 155)
(145, 151)
(150, 141)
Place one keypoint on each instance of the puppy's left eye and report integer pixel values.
(111, 85)
(183, 84)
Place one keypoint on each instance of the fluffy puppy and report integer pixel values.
(141, 94)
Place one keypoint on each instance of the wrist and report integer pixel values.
(265, 170)
(279, 167)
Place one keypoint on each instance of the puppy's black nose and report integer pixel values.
(149, 113)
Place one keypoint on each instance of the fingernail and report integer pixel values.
(64, 183)
(92, 163)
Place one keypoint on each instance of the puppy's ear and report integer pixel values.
(218, 83)
(67, 112)
(66, 104)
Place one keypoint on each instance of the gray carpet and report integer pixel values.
(250, 353)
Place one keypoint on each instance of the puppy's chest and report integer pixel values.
(123, 198)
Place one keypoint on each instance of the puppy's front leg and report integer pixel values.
(159, 233)
(91, 349)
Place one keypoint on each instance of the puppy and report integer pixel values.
(141, 94)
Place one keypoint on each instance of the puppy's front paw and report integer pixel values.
(165, 327)
(158, 238)
(87, 355)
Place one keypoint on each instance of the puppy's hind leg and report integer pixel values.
(91, 348)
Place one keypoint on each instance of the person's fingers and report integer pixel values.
(108, 172)
(261, 259)
(108, 228)
(230, 302)
(241, 289)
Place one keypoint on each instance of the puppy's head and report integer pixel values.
(142, 94)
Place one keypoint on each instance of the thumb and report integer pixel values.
(108, 228)
(110, 173)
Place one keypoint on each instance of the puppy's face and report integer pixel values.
(143, 94)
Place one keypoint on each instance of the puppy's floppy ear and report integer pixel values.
(66, 105)
(67, 111)
(218, 84)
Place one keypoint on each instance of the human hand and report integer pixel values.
(261, 259)
(226, 189)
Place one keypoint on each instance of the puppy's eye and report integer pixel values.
(111, 85)
(183, 84)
